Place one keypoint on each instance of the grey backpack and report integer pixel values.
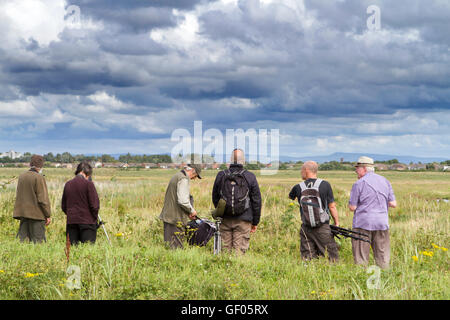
(314, 214)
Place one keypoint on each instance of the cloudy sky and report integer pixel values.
(115, 77)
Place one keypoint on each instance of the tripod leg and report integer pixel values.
(216, 243)
(217, 238)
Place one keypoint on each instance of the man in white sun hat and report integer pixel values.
(370, 198)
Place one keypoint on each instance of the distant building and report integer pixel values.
(111, 165)
(417, 166)
(211, 166)
(12, 154)
(381, 166)
(133, 165)
(437, 166)
(164, 165)
(98, 165)
(398, 166)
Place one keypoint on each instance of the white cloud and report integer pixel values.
(104, 102)
(41, 20)
(17, 108)
(237, 103)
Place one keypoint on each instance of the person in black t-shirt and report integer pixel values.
(315, 241)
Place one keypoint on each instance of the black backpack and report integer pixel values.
(199, 231)
(235, 191)
(314, 214)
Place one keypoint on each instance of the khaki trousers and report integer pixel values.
(33, 230)
(380, 243)
(235, 235)
(173, 236)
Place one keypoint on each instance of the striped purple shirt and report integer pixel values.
(371, 195)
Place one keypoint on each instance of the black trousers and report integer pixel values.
(81, 233)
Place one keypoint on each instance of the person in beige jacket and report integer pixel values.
(32, 205)
(178, 205)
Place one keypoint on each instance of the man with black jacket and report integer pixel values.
(236, 227)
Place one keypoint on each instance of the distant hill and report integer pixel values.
(353, 157)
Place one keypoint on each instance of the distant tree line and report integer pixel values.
(392, 161)
(155, 158)
(334, 165)
(66, 157)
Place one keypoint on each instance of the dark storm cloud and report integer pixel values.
(134, 4)
(78, 63)
(251, 89)
(330, 70)
(135, 15)
(130, 44)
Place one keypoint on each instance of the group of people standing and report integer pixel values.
(179, 206)
(79, 202)
(370, 198)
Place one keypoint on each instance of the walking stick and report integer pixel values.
(101, 223)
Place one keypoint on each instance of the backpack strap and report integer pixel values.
(302, 186)
(242, 173)
(226, 173)
(317, 183)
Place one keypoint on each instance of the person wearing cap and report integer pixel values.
(370, 198)
(236, 230)
(32, 206)
(179, 205)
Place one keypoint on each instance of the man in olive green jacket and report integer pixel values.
(32, 205)
(178, 205)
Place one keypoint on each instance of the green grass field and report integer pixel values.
(138, 265)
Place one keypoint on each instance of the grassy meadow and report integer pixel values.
(138, 265)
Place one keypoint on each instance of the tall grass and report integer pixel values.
(139, 266)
